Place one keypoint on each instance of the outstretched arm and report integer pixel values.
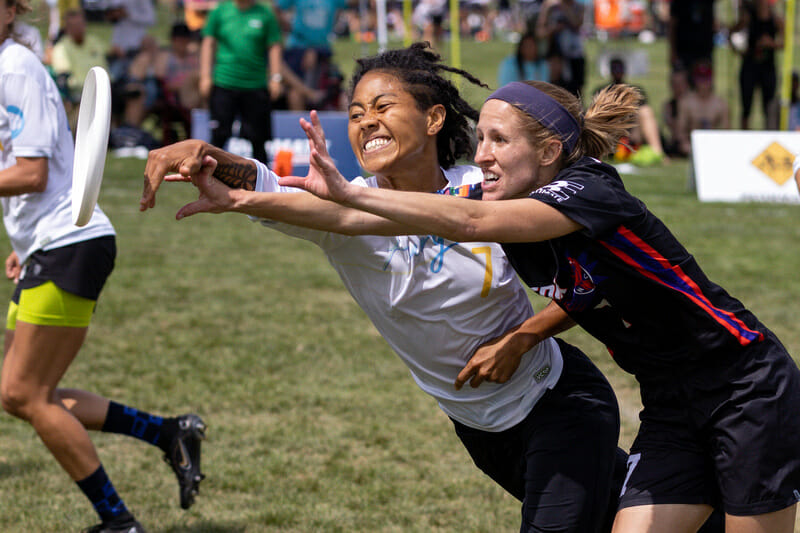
(497, 360)
(296, 208)
(229, 187)
(521, 220)
(186, 158)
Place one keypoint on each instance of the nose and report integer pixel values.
(482, 153)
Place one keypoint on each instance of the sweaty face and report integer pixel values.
(388, 133)
(509, 161)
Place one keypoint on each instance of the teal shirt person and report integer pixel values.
(243, 38)
(531, 70)
(312, 23)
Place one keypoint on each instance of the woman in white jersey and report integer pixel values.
(546, 433)
(59, 270)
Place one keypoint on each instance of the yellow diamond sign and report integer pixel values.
(776, 162)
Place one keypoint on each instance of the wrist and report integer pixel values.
(276, 78)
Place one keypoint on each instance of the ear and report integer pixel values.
(435, 119)
(552, 152)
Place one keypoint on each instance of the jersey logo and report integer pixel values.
(255, 24)
(16, 120)
(584, 284)
(560, 190)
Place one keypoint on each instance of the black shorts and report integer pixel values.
(726, 433)
(81, 268)
(561, 460)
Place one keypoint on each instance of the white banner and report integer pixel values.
(745, 166)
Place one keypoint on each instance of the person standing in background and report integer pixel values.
(308, 47)
(764, 37)
(691, 32)
(526, 63)
(241, 39)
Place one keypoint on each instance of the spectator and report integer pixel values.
(526, 64)
(132, 19)
(73, 55)
(691, 32)
(308, 47)
(559, 22)
(240, 39)
(701, 109)
(679, 85)
(165, 82)
(764, 36)
(429, 15)
(195, 14)
(57, 10)
(645, 137)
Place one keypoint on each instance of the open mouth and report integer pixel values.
(375, 144)
(490, 177)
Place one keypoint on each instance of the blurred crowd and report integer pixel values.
(229, 63)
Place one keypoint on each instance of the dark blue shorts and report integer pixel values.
(724, 433)
(561, 460)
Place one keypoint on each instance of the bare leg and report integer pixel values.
(778, 522)
(35, 361)
(661, 519)
(649, 126)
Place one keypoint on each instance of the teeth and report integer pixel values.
(490, 176)
(375, 143)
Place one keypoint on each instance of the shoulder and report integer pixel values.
(19, 60)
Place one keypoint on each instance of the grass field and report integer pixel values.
(314, 424)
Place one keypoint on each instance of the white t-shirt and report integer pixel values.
(38, 128)
(429, 298)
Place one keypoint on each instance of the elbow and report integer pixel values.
(38, 182)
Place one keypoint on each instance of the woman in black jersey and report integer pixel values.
(719, 426)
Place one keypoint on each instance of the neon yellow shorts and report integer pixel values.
(48, 305)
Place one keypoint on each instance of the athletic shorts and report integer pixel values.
(60, 286)
(562, 460)
(725, 433)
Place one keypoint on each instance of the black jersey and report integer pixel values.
(627, 280)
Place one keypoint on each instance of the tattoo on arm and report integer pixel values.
(237, 175)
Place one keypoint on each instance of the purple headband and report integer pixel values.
(542, 107)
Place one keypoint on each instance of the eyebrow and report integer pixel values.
(378, 97)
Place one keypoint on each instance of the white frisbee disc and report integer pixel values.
(91, 142)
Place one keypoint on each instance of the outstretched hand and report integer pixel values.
(495, 361)
(323, 179)
(184, 157)
(213, 195)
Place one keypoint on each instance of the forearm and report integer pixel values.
(547, 323)
(445, 216)
(29, 175)
(207, 50)
(306, 210)
(234, 171)
(462, 220)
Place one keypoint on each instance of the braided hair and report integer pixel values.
(420, 69)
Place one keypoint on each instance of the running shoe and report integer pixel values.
(183, 456)
(129, 526)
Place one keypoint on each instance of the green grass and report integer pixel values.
(314, 424)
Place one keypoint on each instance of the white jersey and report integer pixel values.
(38, 127)
(435, 302)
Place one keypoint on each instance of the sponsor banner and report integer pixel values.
(745, 166)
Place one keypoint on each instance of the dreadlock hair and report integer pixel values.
(611, 115)
(420, 69)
